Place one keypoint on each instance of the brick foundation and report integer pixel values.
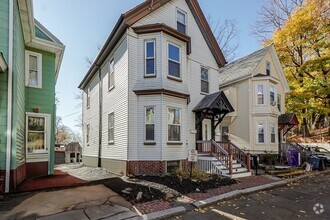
(36, 169)
(151, 168)
(16, 177)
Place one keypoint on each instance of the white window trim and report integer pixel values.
(145, 58)
(208, 79)
(109, 75)
(169, 59)
(186, 18)
(145, 123)
(264, 94)
(47, 135)
(27, 68)
(111, 141)
(167, 124)
(275, 94)
(265, 132)
(270, 128)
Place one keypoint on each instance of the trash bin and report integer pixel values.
(293, 157)
(318, 163)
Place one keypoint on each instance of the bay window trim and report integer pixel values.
(149, 142)
(169, 76)
(171, 142)
(146, 75)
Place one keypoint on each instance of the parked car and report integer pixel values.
(322, 153)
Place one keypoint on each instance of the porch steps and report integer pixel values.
(238, 170)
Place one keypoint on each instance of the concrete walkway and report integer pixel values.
(87, 202)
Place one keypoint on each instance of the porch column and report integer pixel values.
(212, 128)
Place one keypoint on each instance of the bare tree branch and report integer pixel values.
(227, 35)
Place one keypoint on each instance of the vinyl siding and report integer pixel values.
(4, 28)
(115, 100)
(18, 130)
(91, 117)
(44, 98)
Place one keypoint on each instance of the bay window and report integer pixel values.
(174, 124)
(272, 133)
(272, 94)
(149, 123)
(174, 61)
(261, 133)
(150, 69)
(260, 95)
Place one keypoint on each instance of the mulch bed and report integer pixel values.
(129, 191)
(185, 186)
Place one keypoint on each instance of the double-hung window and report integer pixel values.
(149, 123)
(261, 132)
(204, 80)
(111, 127)
(181, 21)
(36, 134)
(88, 130)
(88, 97)
(174, 124)
(260, 95)
(272, 94)
(224, 133)
(174, 68)
(150, 64)
(272, 133)
(111, 76)
(268, 68)
(33, 69)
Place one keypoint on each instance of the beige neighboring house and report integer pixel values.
(255, 86)
(68, 153)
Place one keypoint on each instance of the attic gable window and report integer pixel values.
(181, 19)
(33, 69)
(268, 68)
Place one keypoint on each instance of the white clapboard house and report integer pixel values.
(159, 87)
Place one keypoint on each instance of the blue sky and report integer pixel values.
(84, 25)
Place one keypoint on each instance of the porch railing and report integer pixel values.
(238, 154)
(225, 152)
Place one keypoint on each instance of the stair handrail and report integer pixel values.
(240, 155)
(222, 155)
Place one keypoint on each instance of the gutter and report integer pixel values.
(10, 90)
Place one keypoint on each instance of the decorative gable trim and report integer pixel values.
(152, 28)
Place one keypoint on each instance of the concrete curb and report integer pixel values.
(162, 214)
(180, 209)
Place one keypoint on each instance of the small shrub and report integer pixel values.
(197, 174)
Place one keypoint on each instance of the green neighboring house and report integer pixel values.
(30, 59)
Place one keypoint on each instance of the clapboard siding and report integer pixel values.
(116, 101)
(191, 84)
(91, 117)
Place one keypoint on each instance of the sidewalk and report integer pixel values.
(99, 202)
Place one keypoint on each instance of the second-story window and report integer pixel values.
(111, 76)
(33, 75)
(88, 97)
(150, 58)
(268, 68)
(272, 94)
(181, 21)
(204, 80)
(174, 61)
(260, 94)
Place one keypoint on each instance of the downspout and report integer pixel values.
(10, 90)
(100, 117)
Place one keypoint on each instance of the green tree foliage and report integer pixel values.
(303, 48)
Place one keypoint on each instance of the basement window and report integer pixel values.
(172, 166)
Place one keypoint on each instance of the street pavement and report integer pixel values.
(308, 198)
